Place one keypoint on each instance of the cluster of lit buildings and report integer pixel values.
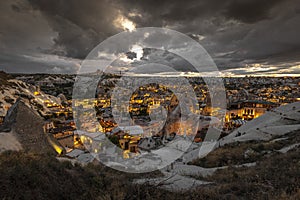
(247, 98)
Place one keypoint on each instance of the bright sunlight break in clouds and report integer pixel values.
(124, 23)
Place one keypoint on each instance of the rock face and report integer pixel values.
(173, 121)
(27, 126)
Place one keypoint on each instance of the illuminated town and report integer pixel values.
(149, 100)
(247, 98)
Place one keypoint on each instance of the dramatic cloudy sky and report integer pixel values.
(242, 36)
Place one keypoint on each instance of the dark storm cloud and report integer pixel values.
(250, 11)
(46, 33)
(83, 24)
(267, 41)
(235, 32)
(244, 10)
(80, 25)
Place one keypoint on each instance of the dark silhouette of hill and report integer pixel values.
(36, 176)
(4, 77)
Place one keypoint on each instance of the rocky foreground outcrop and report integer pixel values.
(27, 126)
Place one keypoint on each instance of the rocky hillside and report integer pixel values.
(12, 89)
(274, 123)
(27, 127)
